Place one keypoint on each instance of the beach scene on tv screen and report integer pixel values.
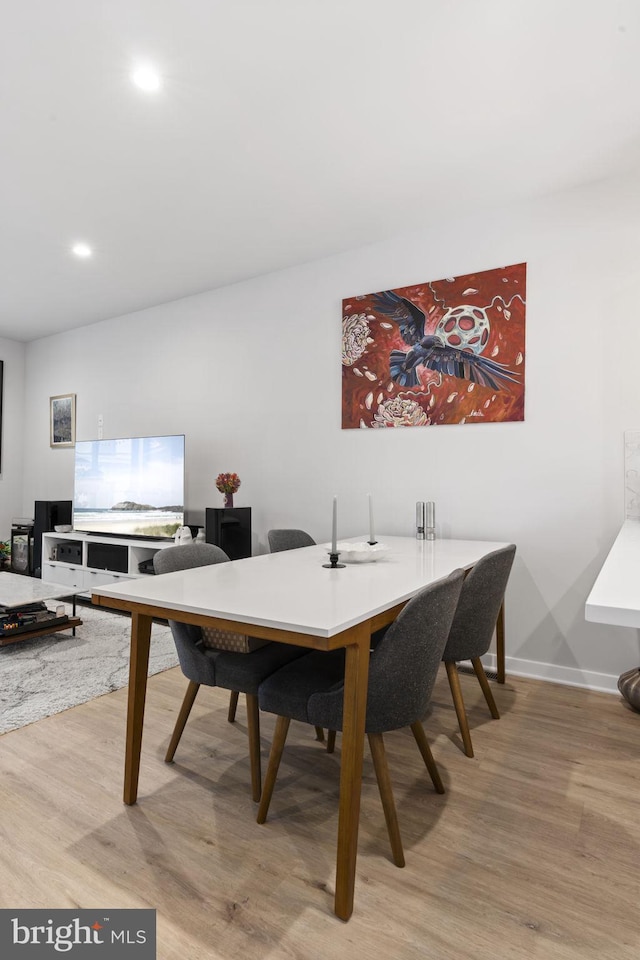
(129, 487)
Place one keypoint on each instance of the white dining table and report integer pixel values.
(290, 597)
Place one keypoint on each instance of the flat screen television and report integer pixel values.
(131, 487)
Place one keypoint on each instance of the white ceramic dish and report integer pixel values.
(63, 528)
(361, 552)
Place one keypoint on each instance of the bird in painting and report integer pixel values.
(432, 352)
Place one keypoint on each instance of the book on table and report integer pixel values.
(29, 616)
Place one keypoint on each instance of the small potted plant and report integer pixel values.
(228, 483)
(5, 553)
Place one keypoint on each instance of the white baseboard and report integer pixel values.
(570, 676)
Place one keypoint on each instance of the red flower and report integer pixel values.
(227, 482)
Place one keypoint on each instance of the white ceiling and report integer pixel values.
(286, 130)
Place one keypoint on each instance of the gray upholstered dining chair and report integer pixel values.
(288, 540)
(280, 539)
(472, 629)
(241, 672)
(402, 673)
(283, 539)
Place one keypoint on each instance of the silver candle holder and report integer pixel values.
(430, 520)
(425, 520)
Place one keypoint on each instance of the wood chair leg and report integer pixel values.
(376, 744)
(331, 741)
(277, 746)
(458, 702)
(320, 734)
(183, 716)
(500, 651)
(423, 745)
(486, 689)
(233, 706)
(253, 729)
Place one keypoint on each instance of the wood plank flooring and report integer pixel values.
(533, 851)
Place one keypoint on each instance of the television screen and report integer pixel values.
(130, 487)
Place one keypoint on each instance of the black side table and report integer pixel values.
(230, 529)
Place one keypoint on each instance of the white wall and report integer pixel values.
(251, 374)
(13, 434)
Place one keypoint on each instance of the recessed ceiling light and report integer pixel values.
(146, 78)
(82, 250)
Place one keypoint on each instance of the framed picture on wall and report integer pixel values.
(449, 351)
(1, 374)
(62, 420)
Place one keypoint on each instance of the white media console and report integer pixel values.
(85, 561)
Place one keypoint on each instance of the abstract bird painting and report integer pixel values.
(443, 352)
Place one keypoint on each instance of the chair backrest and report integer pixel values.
(186, 556)
(288, 540)
(482, 595)
(194, 663)
(404, 665)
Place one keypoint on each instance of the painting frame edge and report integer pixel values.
(1, 393)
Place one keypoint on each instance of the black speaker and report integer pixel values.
(108, 556)
(230, 529)
(47, 514)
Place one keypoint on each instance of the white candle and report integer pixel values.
(372, 538)
(334, 527)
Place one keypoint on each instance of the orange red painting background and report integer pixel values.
(370, 398)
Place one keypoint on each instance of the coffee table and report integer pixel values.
(18, 591)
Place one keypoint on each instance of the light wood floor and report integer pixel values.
(534, 850)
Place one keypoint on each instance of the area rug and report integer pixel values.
(49, 674)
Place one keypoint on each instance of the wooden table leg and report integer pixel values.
(500, 654)
(356, 674)
(138, 669)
